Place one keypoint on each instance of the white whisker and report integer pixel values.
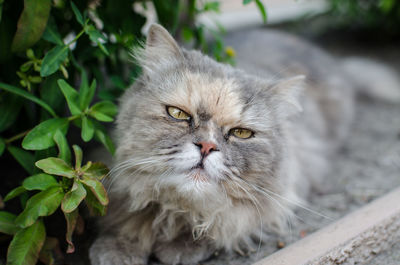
(298, 204)
(256, 205)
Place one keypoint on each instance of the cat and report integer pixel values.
(211, 157)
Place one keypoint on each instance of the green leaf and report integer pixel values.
(102, 137)
(100, 116)
(39, 182)
(168, 13)
(71, 95)
(261, 7)
(2, 146)
(95, 207)
(55, 166)
(63, 147)
(212, 6)
(51, 94)
(118, 82)
(87, 166)
(387, 5)
(96, 37)
(41, 137)
(1, 8)
(14, 193)
(42, 154)
(7, 225)
(53, 59)
(245, 2)
(27, 95)
(103, 111)
(71, 219)
(24, 158)
(78, 156)
(86, 93)
(44, 203)
(77, 13)
(26, 244)
(26, 66)
(187, 34)
(51, 33)
(73, 198)
(10, 106)
(31, 24)
(97, 189)
(84, 87)
(23, 199)
(97, 170)
(87, 129)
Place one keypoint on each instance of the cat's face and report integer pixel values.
(194, 124)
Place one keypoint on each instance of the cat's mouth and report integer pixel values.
(198, 173)
(199, 165)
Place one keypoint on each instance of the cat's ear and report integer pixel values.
(160, 42)
(286, 95)
(160, 51)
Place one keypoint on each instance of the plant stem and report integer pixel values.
(76, 37)
(22, 134)
(16, 137)
(73, 117)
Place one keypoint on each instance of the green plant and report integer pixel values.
(378, 16)
(49, 50)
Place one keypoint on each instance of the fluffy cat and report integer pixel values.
(210, 157)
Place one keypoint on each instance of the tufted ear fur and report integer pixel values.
(159, 40)
(286, 94)
(160, 51)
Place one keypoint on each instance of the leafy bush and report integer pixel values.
(62, 67)
(378, 16)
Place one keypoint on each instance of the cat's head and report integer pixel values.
(202, 127)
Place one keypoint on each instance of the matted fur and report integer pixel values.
(160, 204)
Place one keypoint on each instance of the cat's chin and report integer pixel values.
(198, 174)
(194, 183)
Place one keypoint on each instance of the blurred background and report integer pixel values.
(45, 44)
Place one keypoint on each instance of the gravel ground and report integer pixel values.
(389, 257)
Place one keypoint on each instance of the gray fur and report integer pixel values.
(160, 205)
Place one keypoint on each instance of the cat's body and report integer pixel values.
(182, 188)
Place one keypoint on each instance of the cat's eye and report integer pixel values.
(241, 133)
(178, 114)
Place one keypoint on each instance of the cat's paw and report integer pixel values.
(111, 251)
(186, 252)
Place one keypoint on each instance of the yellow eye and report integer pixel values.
(178, 114)
(241, 133)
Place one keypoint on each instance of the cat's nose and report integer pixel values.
(206, 147)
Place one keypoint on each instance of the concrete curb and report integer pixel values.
(234, 15)
(354, 239)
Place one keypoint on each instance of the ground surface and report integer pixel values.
(367, 167)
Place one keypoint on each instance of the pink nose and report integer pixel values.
(206, 147)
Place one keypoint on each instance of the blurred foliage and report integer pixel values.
(63, 65)
(381, 17)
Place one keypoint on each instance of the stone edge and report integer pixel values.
(355, 238)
